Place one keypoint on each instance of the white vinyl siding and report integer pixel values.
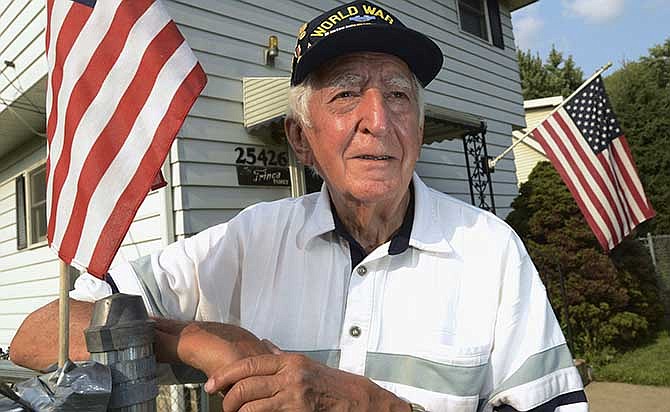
(526, 158)
(23, 66)
(22, 43)
(525, 155)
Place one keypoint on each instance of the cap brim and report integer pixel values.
(421, 54)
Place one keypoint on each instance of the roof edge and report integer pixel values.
(543, 102)
(514, 5)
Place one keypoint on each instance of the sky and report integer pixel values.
(594, 32)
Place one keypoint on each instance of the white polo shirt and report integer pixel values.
(459, 321)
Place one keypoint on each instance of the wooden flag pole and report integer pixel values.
(64, 314)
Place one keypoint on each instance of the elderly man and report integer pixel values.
(383, 295)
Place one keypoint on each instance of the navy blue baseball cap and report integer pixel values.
(362, 26)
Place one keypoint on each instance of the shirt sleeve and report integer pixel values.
(168, 280)
(531, 367)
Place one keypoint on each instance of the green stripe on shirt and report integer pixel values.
(537, 366)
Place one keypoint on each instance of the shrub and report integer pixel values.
(612, 300)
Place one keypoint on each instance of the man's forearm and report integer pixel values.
(35, 344)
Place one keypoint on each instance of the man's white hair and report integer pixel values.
(299, 95)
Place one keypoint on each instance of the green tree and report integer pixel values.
(640, 95)
(613, 300)
(556, 77)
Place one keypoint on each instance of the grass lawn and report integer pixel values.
(648, 365)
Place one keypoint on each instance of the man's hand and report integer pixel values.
(208, 346)
(290, 382)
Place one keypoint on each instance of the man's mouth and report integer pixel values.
(369, 157)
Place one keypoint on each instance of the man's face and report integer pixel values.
(365, 135)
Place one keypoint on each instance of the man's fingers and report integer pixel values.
(260, 365)
(171, 326)
(249, 390)
(271, 347)
(166, 347)
(274, 404)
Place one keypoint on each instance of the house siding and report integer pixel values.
(525, 156)
(21, 42)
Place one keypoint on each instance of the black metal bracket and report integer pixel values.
(479, 174)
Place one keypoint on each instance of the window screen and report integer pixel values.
(38, 205)
(21, 232)
(473, 17)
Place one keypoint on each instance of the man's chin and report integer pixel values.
(375, 191)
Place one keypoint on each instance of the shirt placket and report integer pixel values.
(357, 323)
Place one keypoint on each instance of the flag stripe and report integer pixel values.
(101, 109)
(593, 200)
(595, 170)
(629, 188)
(604, 160)
(112, 232)
(47, 36)
(114, 135)
(635, 211)
(116, 177)
(621, 146)
(633, 207)
(75, 59)
(568, 176)
(75, 20)
(121, 81)
(87, 88)
(622, 151)
(57, 13)
(57, 53)
(584, 173)
(104, 105)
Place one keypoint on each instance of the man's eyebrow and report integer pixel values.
(346, 79)
(398, 81)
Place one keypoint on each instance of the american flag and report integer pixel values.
(585, 143)
(121, 81)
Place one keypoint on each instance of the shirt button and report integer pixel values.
(361, 270)
(355, 331)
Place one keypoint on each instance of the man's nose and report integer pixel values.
(374, 112)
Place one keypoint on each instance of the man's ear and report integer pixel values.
(295, 133)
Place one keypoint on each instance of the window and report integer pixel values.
(481, 17)
(31, 207)
(38, 205)
(473, 17)
(313, 181)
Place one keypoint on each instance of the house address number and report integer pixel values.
(249, 156)
(264, 167)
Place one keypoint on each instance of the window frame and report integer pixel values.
(492, 21)
(27, 176)
(30, 206)
(487, 23)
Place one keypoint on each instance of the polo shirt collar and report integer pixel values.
(318, 219)
(424, 229)
(428, 230)
(399, 241)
